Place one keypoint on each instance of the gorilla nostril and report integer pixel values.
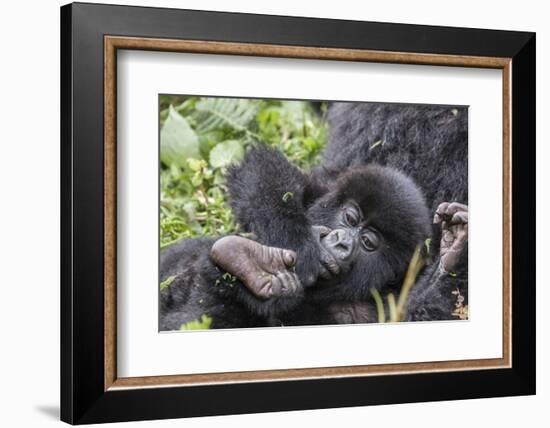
(342, 246)
(343, 249)
(340, 243)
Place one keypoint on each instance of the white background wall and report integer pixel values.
(29, 213)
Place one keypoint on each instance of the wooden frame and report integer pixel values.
(91, 391)
(112, 43)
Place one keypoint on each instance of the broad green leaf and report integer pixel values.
(223, 154)
(178, 141)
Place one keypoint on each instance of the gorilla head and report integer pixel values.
(368, 224)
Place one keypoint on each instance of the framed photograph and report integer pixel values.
(266, 213)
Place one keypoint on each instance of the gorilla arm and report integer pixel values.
(268, 196)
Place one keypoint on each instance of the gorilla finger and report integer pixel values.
(460, 217)
(453, 229)
(439, 212)
(289, 283)
(277, 286)
(446, 211)
(281, 284)
(442, 208)
(447, 237)
(455, 207)
(289, 258)
(295, 281)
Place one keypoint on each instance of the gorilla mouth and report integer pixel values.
(329, 265)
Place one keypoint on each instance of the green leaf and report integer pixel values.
(164, 284)
(196, 165)
(428, 243)
(392, 306)
(268, 117)
(287, 196)
(378, 143)
(193, 199)
(178, 141)
(228, 277)
(379, 305)
(214, 113)
(203, 323)
(223, 154)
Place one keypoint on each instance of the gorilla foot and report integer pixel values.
(453, 218)
(265, 271)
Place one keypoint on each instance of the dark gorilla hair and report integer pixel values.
(429, 143)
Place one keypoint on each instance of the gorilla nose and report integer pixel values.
(341, 243)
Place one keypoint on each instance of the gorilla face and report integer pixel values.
(351, 236)
(368, 225)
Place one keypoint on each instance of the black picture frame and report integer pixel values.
(83, 396)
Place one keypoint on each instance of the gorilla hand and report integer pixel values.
(453, 218)
(265, 271)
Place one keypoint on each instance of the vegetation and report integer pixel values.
(201, 136)
(201, 324)
(397, 309)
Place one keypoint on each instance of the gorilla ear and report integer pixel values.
(313, 191)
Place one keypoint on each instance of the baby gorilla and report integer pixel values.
(320, 245)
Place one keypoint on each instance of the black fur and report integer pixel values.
(429, 144)
(279, 203)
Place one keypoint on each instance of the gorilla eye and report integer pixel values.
(351, 217)
(370, 239)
